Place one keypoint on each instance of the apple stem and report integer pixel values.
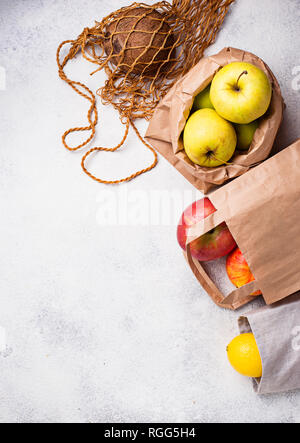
(237, 83)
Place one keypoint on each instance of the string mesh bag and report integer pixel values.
(143, 49)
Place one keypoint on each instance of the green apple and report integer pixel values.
(208, 139)
(202, 100)
(241, 92)
(245, 134)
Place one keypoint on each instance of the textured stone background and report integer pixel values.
(107, 323)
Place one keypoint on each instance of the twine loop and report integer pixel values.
(176, 37)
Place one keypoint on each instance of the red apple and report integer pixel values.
(211, 246)
(238, 270)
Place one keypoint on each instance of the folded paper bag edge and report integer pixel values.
(204, 226)
(239, 295)
(233, 301)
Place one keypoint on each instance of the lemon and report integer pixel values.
(243, 355)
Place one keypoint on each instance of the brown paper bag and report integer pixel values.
(277, 333)
(165, 129)
(261, 209)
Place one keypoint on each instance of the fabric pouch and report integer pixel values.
(277, 332)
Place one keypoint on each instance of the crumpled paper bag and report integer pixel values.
(166, 126)
(261, 209)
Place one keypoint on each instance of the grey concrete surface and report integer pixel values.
(106, 322)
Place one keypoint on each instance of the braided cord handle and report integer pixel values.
(89, 95)
(130, 177)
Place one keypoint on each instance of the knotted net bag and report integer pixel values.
(143, 49)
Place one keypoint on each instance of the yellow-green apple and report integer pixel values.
(202, 100)
(208, 139)
(245, 134)
(238, 270)
(241, 92)
(211, 246)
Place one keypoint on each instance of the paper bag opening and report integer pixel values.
(165, 129)
(261, 209)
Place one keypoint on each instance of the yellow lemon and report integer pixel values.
(243, 355)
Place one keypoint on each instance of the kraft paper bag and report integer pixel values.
(262, 210)
(166, 126)
(277, 332)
